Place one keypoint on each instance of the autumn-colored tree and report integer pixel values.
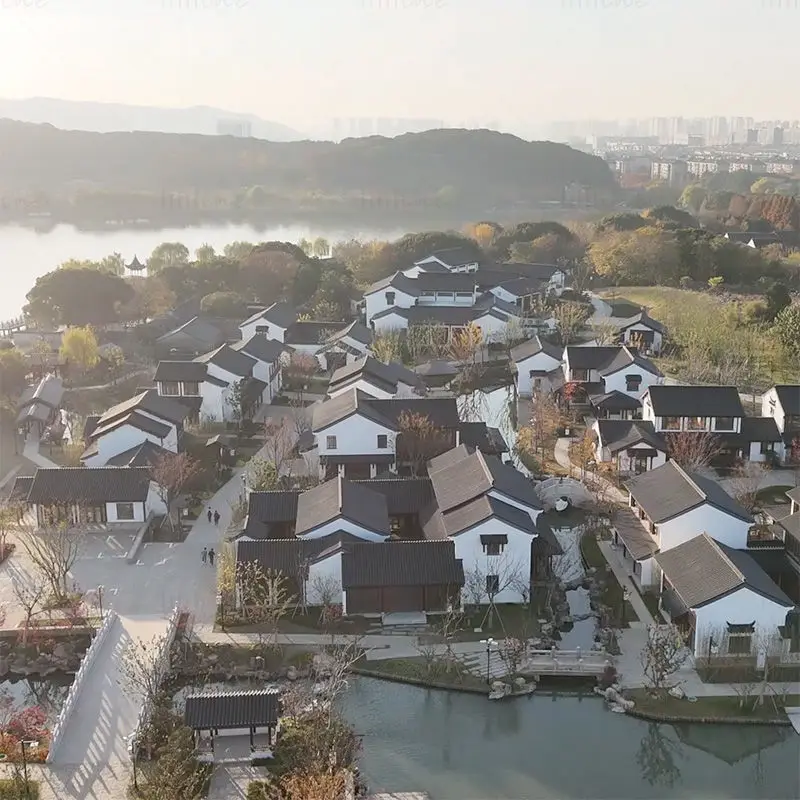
(570, 320)
(644, 257)
(167, 254)
(387, 346)
(482, 233)
(419, 440)
(466, 342)
(79, 346)
(171, 472)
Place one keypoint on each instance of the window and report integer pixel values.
(263, 329)
(383, 441)
(389, 298)
(695, 423)
(492, 585)
(124, 510)
(723, 423)
(446, 296)
(740, 644)
(580, 374)
(170, 389)
(191, 388)
(395, 525)
(537, 383)
(330, 442)
(493, 548)
(632, 383)
(464, 295)
(672, 423)
(767, 447)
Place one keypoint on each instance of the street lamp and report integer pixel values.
(132, 744)
(24, 744)
(100, 599)
(490, 643)
(221, 610)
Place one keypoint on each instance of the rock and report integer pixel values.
(519, 682)
(62, 651)
(677, 693)
(291, 673)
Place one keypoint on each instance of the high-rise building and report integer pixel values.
(777, 137)
(752, 136)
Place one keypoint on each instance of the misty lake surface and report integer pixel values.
(28, 253)
(462, 747)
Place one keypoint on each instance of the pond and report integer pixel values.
(47, 693)
(461, 747)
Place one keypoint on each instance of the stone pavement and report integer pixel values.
(31, 452)
(620, 571)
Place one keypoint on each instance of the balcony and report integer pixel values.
(766, 537)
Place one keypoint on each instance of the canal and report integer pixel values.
(462, 747)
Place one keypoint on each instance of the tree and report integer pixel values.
(176, 774)
(787, 329)
(570, 320)
(544, 423)
(228, 305)
(320, 248)
(167, 254)
(657, 756)
(693, 197)
(483, 233)
(113, 263)
(30, 591)
(549, 248)
(748, 478)
(693, 450)
(619, 223)
(114, 356)
(662, 656)
(643, 257)
(77, 297)
(151, 297)
(419, 440)
(53, 552)
(205, 253)
(262, 475)
(142, 669)
(605, 333)
(171, 472)
(265, 599)
(387, 346)
(13, 371)
(670, 217)
(486, 583)
(279, 442)
(79, 346)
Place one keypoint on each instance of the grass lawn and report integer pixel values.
(709, 706)
(416, 669)
(510, 620)
(612, 594)
(11, 789)
(774, 495)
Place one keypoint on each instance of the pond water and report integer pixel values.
(461, 747)
(48, 693)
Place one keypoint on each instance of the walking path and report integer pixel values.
(31, 452)
(621, 573)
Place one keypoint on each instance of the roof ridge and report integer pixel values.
(339, 481)
(721, 550)
(690, 480)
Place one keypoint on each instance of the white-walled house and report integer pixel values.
(100, 496)
(269, 356)
(376, 379)
(673, 506)
(642, 331)
(345, 346)
(454, 259)
(395, 291)
(272, 322)
(631, 445)
(147, 417)
(782, 403)
(720, 594)
(538, 366)
(619, 369)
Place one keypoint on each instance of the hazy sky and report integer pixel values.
(308, 61)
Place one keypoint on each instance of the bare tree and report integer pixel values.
(662, 656)
(570, 320)
(584, 453)
(605, 333)
(693, 450)
(419, 440)
(298, 371)
(265, 599)
(142, 669)
(9, 522)
(487, 581)
(171, 472)
(29, 591)
(53, 552)
(513, 652)
(748, 478)
(279, 441)
(387, 346)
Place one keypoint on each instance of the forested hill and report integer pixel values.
(469, 163)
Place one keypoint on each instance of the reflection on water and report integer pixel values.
(47, 693)
(461, 747)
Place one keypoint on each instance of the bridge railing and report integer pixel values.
(80, 679)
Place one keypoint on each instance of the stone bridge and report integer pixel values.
(553, 489)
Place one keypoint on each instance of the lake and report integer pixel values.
(462, 747)
(28, 253)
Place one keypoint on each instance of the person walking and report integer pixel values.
(216, 517)
(208, 513)
(211, 556)
(204, 555)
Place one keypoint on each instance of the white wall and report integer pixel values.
(215, 406)
(503, 294)
(274, 332)
(124, 438)
(533, 513)
(616, 381)
(741, 607)
(541, 361)
(340, 524)
(771, 407)
(624, 462)
(139, 514)
(154, 503)
(493, 328)
(515, 558)
(389, 323)
(328, 574)
(375, 302)
(630, 333)
(704, 519)
(756, 454)
(355, 436)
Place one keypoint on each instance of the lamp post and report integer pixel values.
(626, 596)
(221, 610)
(24, 744)
(489, 644)
(100, 590)
(132, 745)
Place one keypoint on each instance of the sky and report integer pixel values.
(302, 62)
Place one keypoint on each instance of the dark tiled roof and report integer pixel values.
(794, 494)
(310, 332)
(543, 272)
(642, 318)
(627, 358)
(151, 402)
(425, 563)
(454, 256)
(342, 498)
(385, 375)
(356, 330)
(790, 398)
(436, 368)
(280, 314)
(641, 545)
(615, 401)
(135, 420)
(403, 495)
(35, 410)
(85, 485)
(49, 392)
(180, 371)
(204, 333)
(273, 506)
(616, 435)
(260, 347)
(143, 455)
(695, 401)
(344, 405)
(591, 357)
(546, 543)
(668, 491)
(466, 516)
(89, 426)
(287, 556)
(446, 282)
(521, 287)
(230, 360)
(441, 411)
(396, 281)
(478, 435)
(760, 429)
(20, 489)
(256, 708)
(702, 570)
(533, 347)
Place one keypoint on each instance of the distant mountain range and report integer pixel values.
(109, 117)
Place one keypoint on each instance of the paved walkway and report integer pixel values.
(621, 573)
(31, 452)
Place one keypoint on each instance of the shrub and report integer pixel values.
(14, 789)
